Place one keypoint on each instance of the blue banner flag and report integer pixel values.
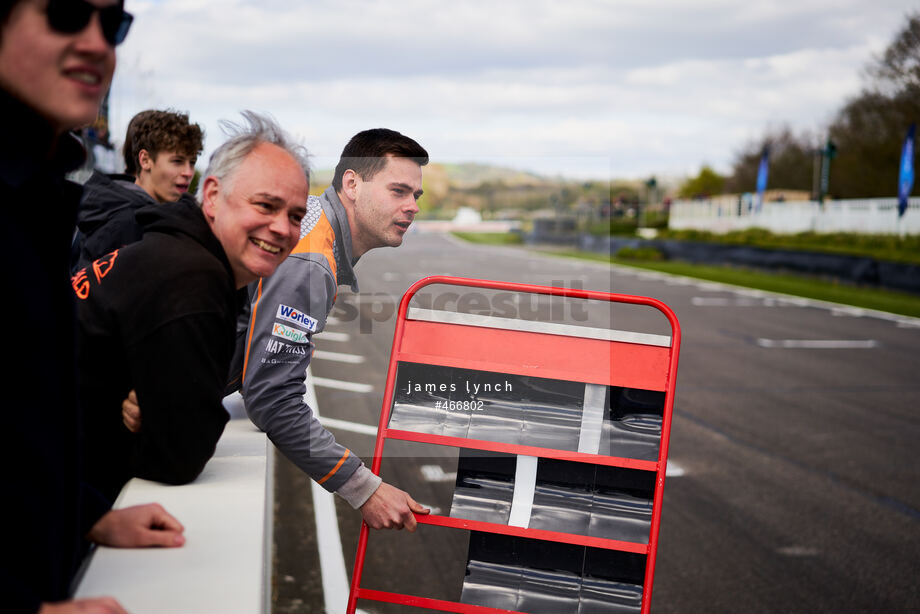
(762, 175)
(906, 176)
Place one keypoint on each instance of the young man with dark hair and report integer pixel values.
(56, 61)
(371, 204)
(160, 151)
(163, 149)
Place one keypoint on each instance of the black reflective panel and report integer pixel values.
(593, 500)
(612, 582)
(541, 577)
(502, 415)
(551, 576)
(531, 411)
(485, 485)
(622, 505)
(498, 407)
(569, 497)
(421, 401)
(632, 428)
(563, 496)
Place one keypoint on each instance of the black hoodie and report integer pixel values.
(106, 218)
(40, 452)
(157, 316)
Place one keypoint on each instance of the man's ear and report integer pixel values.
(145, 160)
(350, 181)
(210, 190)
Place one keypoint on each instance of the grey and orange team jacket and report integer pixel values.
(274, 349)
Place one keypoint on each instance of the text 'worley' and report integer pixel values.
(297, 317)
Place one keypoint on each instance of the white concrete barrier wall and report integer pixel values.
(877, 216)
(225, 564)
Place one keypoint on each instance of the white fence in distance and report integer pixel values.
(874, 216)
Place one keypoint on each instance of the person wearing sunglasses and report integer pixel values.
(56, 62)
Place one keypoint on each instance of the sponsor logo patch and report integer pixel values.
(277, 347)
(289, 333)
(297, 317)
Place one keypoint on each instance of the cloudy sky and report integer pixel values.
(599, 88)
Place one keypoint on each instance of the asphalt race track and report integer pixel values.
(792, 482)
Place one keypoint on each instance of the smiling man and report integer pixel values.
(370, 204)
(160, 151)
(159, 316)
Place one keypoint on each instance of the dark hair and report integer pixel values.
(366, 153)
(158, 131)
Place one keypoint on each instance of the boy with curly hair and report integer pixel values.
(160, 151)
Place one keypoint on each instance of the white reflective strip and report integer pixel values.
(525, 482)
(592, 418)
(818, 344)
(353, 359)
(325, 382)
(549, 328)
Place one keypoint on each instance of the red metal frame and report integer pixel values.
(648, 367)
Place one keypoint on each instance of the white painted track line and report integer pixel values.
(673, 470)
(354, 427)
(325, 382)
(818, 344)
(354, 359)
(327, 335)
(328, 540)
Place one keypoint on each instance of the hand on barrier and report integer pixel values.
(131, 412)
(391, 508)
(92, 605)
(139, 526)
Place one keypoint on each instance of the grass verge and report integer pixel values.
(818, 289)
(490, 238)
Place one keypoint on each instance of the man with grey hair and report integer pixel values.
(158, 316)
(371, 204)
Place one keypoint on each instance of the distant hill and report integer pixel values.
(469, 174)
(463, 175)
(490, 189)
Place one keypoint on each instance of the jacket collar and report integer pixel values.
(344, 261)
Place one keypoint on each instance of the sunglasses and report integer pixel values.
(72, 16)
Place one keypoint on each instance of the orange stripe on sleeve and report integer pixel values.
(252, 325)
(334, 469)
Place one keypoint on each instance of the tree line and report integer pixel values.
(867, 132)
